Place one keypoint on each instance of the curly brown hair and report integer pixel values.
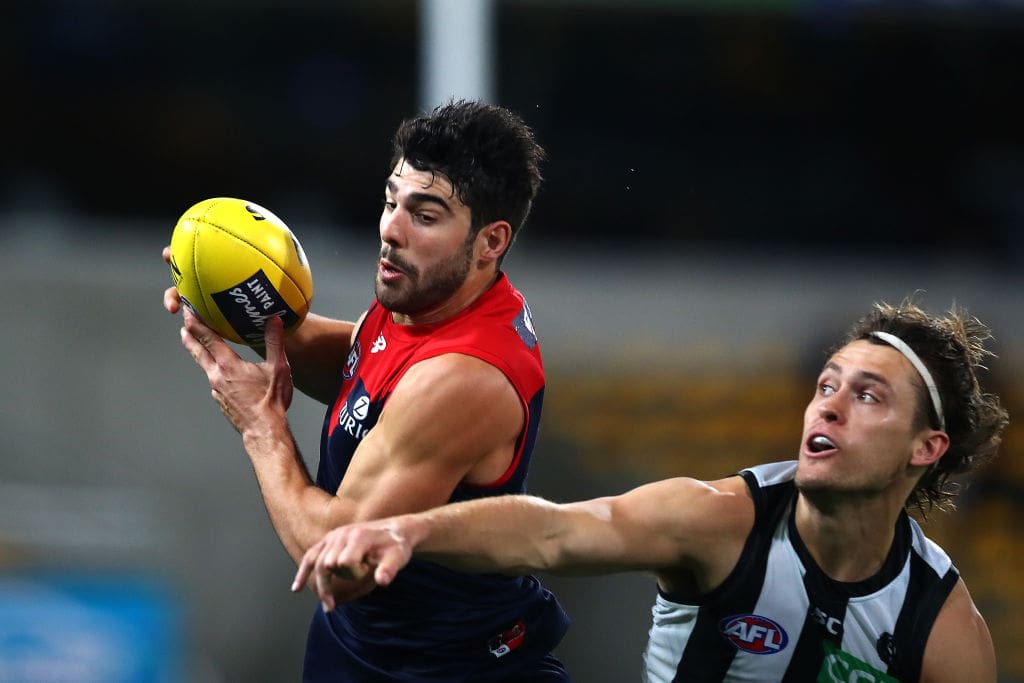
(488, 153)
(953, 349)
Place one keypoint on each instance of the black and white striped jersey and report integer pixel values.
(778, 617)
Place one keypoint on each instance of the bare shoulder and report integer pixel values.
(703, 525)
(457, 408)
(691, 506)
(457, 387)
(960, 646)
(450, 419)
(455, 371)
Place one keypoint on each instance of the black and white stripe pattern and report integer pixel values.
(770, 619)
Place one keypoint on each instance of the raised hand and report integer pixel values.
(251, 395)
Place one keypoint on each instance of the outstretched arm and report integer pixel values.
(673, 527)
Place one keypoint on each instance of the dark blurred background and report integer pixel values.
(771, 124)
(729, 184)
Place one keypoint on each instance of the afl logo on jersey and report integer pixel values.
(353, 361)
(754, 633)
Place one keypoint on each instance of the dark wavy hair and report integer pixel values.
(487, 152)
(952, 347)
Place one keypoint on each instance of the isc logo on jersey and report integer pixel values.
(754, 633)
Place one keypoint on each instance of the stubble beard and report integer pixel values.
(417, 291)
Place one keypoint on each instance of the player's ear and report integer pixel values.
(493, 240)
(930, 446)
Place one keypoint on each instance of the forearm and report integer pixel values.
(508, 534)
(525, 534)
(300, 512)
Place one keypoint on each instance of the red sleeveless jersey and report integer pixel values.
(433, 623)
(496, 328)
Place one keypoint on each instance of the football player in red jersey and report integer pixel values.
(433, 395)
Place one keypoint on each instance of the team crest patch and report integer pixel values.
(353, 361)
(507, 641)
(886, 648)
(842, 667)
(754, 633)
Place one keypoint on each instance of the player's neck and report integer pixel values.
(849, 539)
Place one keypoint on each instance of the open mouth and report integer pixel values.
(388, 270)
(820, 444)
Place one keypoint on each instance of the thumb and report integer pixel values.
(390, 562)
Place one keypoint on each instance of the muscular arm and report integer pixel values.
(676, 528)
(959, 647)
(666, 524)
(450, 418)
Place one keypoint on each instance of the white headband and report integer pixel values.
(905, 349)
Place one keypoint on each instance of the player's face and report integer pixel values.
(859, 429)
(426, 251)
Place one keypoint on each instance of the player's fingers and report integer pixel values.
(389, 563)
(196, 327)
(206, 347)
(167, 254)
(172, 301)
(322, 582)
(383, 575)
(328, 603)
(195, 349)
(348, 562)
(332, 558)
(216, 348)
(306, 566)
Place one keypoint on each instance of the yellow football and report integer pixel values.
(236, 264)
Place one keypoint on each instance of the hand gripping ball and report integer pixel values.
(235, 265)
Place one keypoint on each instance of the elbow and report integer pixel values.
(547, 554)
